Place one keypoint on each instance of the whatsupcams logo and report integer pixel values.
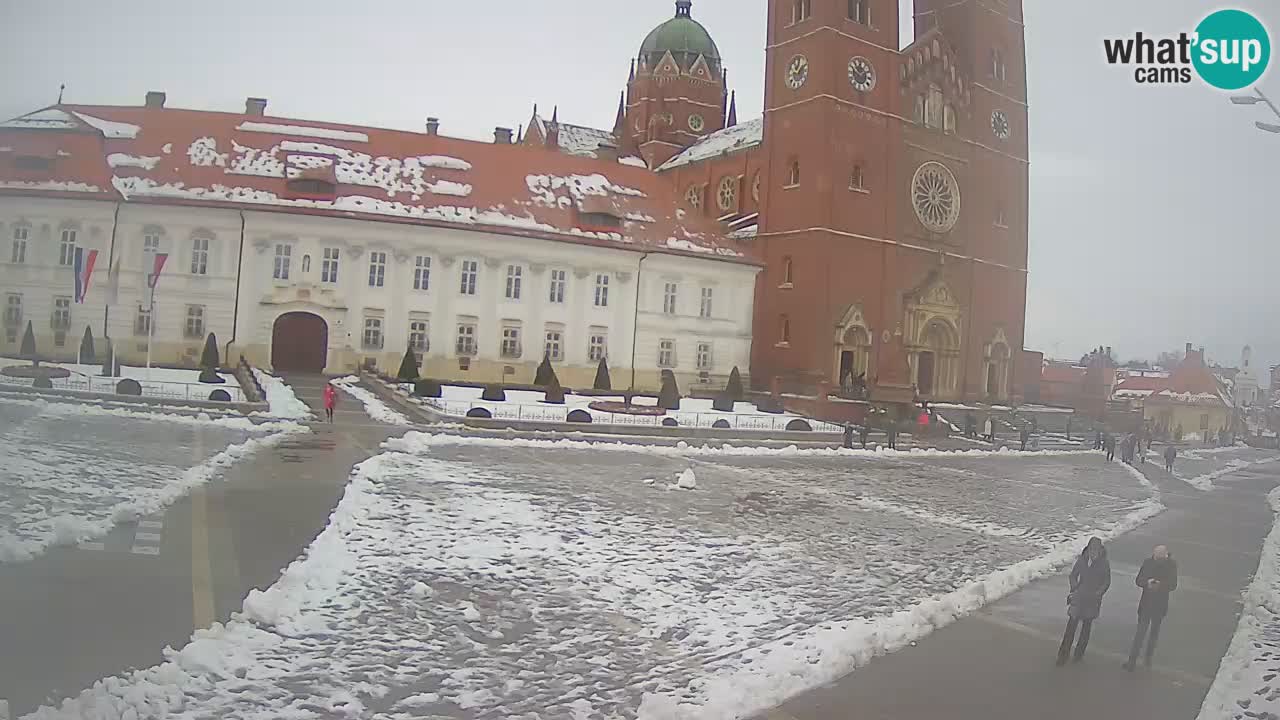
(1229, 50)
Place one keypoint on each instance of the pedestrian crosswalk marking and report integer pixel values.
(144, 550)
(147, 537)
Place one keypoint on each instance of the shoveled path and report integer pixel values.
(72, 616)
(999, 663)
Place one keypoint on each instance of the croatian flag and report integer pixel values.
(154, 263)
(83, 267)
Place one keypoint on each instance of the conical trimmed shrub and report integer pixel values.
(86, 346)
(734, 387)
(408, 371)
(602, 376)
(545, 371)
(28, 348)
(669, 395)
(555, 393)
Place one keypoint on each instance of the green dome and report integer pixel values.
(684, 38)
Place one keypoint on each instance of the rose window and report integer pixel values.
(935, 195)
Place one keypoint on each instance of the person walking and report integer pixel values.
(1110, 443)
(891, 436)
(330, 401)
(1090, 580)
(1025, 436)
(864, 432)
(970, 426)
(1170, 454)
(1157, 577)
(988, 430)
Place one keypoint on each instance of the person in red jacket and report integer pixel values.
(330, 401)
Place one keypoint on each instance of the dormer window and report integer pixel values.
(314, 183)
(32, 163)
(303, 186)
(599, 220)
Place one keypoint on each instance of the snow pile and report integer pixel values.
(1244, 685)
(116, 160)
(100, 472)
(448, 187)
(55, 185)
(315, 132)
(561, 191)
(281, 400)
(377, 409)
(471, 578)
(1205, 482)
(110, 129)
(686, 480)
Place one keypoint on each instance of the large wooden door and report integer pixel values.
(299, 343)
(924, 374)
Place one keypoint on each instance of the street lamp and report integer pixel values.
(1254, 99)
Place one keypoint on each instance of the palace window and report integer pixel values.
(150, 243)
(419, 336)
(470, 269)
(669, 299)
(200, 256)
(61, 319)
(511, 341)
(142, 322)
(597, 345)
(466, 344)
(602, 290)
(515, 275)
(704, 309)
(666, 353)
(67, 248)
(554, 345)
(329, 266)
(372, 333)
(422, 273)
(20, 235)
(280, 269)
(557, 286)
(195, 321)
(13, 310)
(377, 269)
(704, 357)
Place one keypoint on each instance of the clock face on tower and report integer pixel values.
(1000, 124)
(862, 76)
(797, 72)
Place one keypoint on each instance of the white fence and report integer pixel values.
(150, 388)
(560, 413)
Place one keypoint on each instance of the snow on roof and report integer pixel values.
(113, 130)
(578, 139)
(49, 118)
(196, 157)
(739, 137)
(315, 132)
(633, 161)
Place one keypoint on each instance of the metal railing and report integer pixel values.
(686, 419)
(150, 388)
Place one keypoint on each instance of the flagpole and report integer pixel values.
(151, 331)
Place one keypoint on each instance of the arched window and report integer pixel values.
(787, 270)
(919, 109)
(948, 119)
(793, 174)
(933, 107)
(997, 64)
(784, 330)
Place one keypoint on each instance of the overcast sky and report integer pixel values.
(1147, 228)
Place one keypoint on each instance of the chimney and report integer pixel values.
(433, 126)
(155, 99)
(607, 151)
(1188, 352)
(255, 106)
(502, 136)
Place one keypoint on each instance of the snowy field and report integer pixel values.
(1245, 686)
(173, 383)
(528, 405)
(69, 471)
(1200, 468)
(485, 578)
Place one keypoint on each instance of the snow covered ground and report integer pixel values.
(467, 578)
(377, 409)
(174, 383)
(693, 412)
(69, 471)
(1200, 468)
(1245, 685)
(281, 400)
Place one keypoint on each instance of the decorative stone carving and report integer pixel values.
(261, 245)
(401, 256)
(355, 251)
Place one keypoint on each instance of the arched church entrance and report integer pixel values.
(299, 343)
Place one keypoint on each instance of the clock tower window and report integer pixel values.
(793, 174)
(933, 108)
(997, 65)
(856, 179)
(800, 10)
(860, 12)
(948, 119)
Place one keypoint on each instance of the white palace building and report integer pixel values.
(316, 247)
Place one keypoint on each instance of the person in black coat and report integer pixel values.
(1158, 577)
(1090, 580)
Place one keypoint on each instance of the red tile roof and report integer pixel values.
(192, 157)
(1191, 382)
(1059, 373)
